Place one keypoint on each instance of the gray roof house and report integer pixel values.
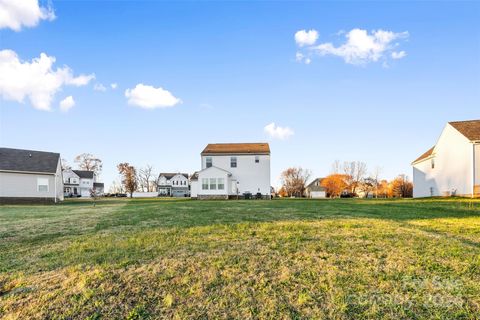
(315, 189)
(30, 176)
(173, 185)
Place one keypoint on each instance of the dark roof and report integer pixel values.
(194, 176)
(237, 148)
(427, 154)
(84, 174)
(171, 175)
(98, 184)
(314, 183)
(28, 160)
(470, 129)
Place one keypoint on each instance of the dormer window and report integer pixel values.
(208, 162)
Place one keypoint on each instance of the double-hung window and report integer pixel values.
(42, 184)
(233, 162)
(205, 184)
(208, 162)
(213, 184)
(257, 159)
(221, 183)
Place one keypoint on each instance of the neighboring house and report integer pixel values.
(452, 166)
(30, 176)
(315, 190)
(233, 170)
(79, 183)
(173, 185)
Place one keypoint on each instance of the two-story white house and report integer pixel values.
(452, 166)
(231, 170)
(173, 185)
(79, 183)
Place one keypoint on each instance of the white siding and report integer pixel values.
(251, 176)
(453, 156)
(25, 185)
(212, 173)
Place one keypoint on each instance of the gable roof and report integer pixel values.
(425, 155)
(194, 176)
(236, 148)
(470, 128)
(28, 160)
(314, 183)
(84, 174)
(171, 175)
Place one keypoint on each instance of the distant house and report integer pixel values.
(80, 183)
(173, 185)
(30, 176)
(452, 166)
(233, 170)
(315, 190)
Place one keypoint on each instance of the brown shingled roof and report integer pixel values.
(470, 129)
(425, 155)
(237, 148)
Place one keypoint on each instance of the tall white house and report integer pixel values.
(30, 176)
(80, 183)
(233, 170)
(173, 185)
(452, 166)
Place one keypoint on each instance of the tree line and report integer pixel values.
(348, 179)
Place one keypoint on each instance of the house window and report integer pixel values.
(433, 163)
(42, 184)
(221, 184)
(204, 184)
(213, 184)
(257, 159)
(208, 161)
(233, 162)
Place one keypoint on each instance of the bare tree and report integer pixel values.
(376, 176)
(294, 181)
(116, 187)
(65, 165)
(356, 171)
(129, 177)
(336, 167)
(89, 162)
(145, 177)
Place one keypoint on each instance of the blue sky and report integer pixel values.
(233, 66)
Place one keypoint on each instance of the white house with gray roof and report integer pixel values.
(173, 185)
(30, 176)
(80, 183)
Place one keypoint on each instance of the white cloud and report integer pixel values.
(15, 14)
(361, 47)
(277, 132)
(67, 103)
(300, 57)
(306, 38)
(149, 97)
(36, 80)
(99, 87)
(398, 54)
(114, 86)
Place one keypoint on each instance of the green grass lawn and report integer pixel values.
(281, 259)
